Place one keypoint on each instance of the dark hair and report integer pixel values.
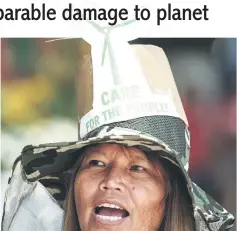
(178, 215)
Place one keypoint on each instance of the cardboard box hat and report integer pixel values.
(126, 95)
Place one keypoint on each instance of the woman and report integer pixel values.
(129, 169)
(128, 190)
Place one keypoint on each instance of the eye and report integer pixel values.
(96, 163)
(137, 168)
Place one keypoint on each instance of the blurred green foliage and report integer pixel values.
(40, 80)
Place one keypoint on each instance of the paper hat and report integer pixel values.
(134, 90)
(126, 95)
(137, 83)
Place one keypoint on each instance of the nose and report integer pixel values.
(114, 180)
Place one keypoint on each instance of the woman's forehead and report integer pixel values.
(109, 149)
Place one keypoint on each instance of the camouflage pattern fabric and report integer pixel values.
(50, 164)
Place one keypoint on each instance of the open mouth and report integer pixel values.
(110, 213)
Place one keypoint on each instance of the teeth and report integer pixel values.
(109, 218)
(109, 205)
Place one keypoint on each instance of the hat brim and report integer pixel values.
(47, 160)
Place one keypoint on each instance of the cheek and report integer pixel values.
(83, 181)
(148, 200)
(82, 195)
(148, 192)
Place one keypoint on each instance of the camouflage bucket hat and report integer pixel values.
(137, 104)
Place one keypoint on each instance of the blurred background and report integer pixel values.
(39, 102)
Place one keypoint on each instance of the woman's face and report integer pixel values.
(117, 188)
